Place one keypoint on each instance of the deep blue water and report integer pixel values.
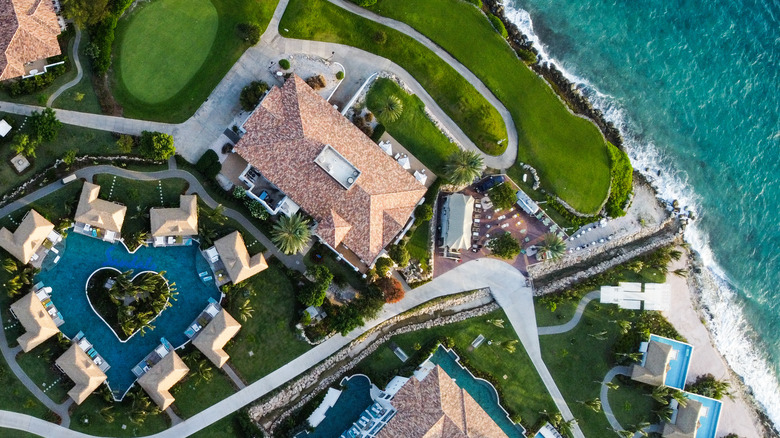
(695, 88)
(68, 279)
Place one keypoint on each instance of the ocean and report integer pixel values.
(695, 89)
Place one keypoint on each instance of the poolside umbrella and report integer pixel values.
(387, 147)
(404, 162)
(423, 178)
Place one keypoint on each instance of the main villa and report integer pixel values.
(28, 35)
(302, 154)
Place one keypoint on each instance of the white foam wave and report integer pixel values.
(732, 333)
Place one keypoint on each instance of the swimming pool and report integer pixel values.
(351, 403)
(82, 256)
(678, 366)
(708, 422)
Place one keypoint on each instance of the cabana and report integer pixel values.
(97, 217)
(686, 422)
(31, 233)
(234, 255)
(655, 364)
(80, 368)
(456, 228)
(161, 377)
(171, 225)
(37, 323)
(212, 339)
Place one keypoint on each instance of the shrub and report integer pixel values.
(391, 289)
(251, 95)
(255, 209)
(383, 266)
(528, 56)
(249, 32)
(284, 64)
(340, 75)
(313, 294)
(622, 180)
(576, 221)
(316, 82)
(21, 87)
(125, 143)
(157, 145)
(209, 164)
(399, 254)
(379, 37)
(379, 130)
(423, 213)
(70, 157)
(503, 196)
(239, 193)
(44, 125)
(102, 38)
(708, 386)
(505, 246)
(498, 25)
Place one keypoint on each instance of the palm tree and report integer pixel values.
(624, 326)
(107, 415)
(681, 272)
(633, 357)
(678, 395)
(613, 385)
(205, 371)
(207, 235)
(216, 215)
(10, 265)
(496, 322)
(291, 234)
(660, 394)
(510, 346)
(463, 167)
(640, 428)
(245, 310)
(625, 433)
(664, 413)
(602, 335)
(552, 246)
(594, 404)
(391, 109)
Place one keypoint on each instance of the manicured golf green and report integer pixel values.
(165, 44)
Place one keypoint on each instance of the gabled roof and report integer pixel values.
(164, 374)
(181, 221)
(215, 335)
(656, 364)
(27, 238)
(285, 134)
(82, 371)
(687, 422)
(98, 212)
(28, 32)
(235, 257)
(437, 407)
(37, 323)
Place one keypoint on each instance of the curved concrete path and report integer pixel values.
(604, 395)
(563, 328)
(79, 71)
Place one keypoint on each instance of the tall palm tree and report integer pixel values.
(107, 415)
(463, 167)
(216, 215)
(593, 404)
(624, 326)
(553, 247)
(391, 109)
(660, 394)
(664, 413)
(291, 234)
(633, 357)
(678, 395)
(510, 346)
(245, 310)
(496, 322)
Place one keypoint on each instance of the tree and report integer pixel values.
(249, 32)
(208, 164)
(78, 97)
(496, 322)
(291, 234)
(125, 143)
(86, 12)
(594, 404)
(44, 125)
(664, 413)
(251, 95)
(383, 266)
(708, 386)
(157, 145)
(660, 394)
(107, 415)
(216, 215)
(503, 196)
(70, 157)
(510, 346)
(399, 254)
(313, 294)
(24, 145)
(391, 288)
(423, 213)
(379, 37)
(284, 64)
(505, 246)
(391, 109)
(552, 247)
(463, 167)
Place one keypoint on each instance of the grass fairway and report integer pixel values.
(322, 21)
(170, 54)
(165, 44)
(568, 151)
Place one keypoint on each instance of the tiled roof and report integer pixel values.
(287, 132)
(232, 250)
(212, 339)
(180, 221)
(82, 370)
(687, 422)
(158, 381)
(656, 363)
(437, 407)
(98, 212)
(28, 32)
(27, 238)
(37, 324)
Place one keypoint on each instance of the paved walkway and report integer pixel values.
(79, 71)
(563, 328)
(611, 374)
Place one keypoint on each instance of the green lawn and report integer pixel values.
(220, 429)
(170, 54)
(120, 426)
(15, 397)
(568, 152)
(414, 130)
(522, 392)
(194, 395)
(58, 205)
(38, 364)
(631, 403)
(323, 21)
(268, 340)
(342, 272)
(89, 103)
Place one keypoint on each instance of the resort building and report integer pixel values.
(97, 217)
(36, 320)
(161, 377)
(685, 422)
(656, 296)
(80, 368)
(302, 153)
(212, 339)
(28, 35)
(664, 362)
(32, 239)
(456, 220)
(175, 226)
(699, 418)
(230, 261)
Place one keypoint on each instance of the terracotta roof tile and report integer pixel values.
(28, 32)
(287, 132)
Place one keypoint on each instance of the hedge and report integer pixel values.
(498, 25)
(208, 164)
(622, 181)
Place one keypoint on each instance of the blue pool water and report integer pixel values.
(482, 392)
(678, 371)
(709, 422)
(351, 403)
(68, 279)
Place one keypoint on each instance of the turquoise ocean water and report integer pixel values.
(695, 88)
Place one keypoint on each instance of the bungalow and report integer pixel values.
(664, 362)
(97, 217)
(80, 368)
(37, 322)
(230, 261)
(175, 226)
(212, 339)
(28, 35)
(302, 153)
(32, 239)
(686, 421)
(161, 377)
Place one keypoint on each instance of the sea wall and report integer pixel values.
(332, 369)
